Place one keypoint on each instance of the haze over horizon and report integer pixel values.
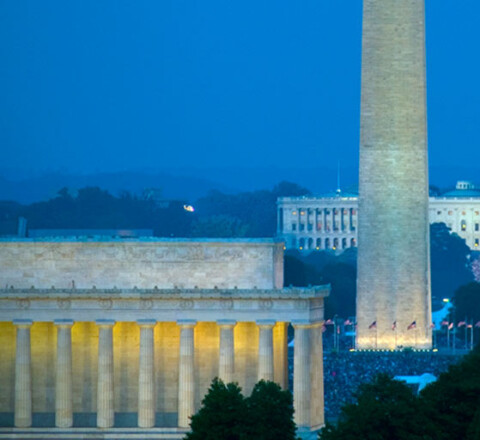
(204, 89)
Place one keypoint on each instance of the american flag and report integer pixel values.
(373, 325)
(394, 325)
(444, 323)
(412, 325)
(328, 322)
(348, 322)
(450, 326)
(432, 325)
(461, 324)
(477, 324)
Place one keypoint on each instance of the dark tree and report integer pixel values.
(270, 413)
(449, 257)
(388, 410)
(326, 268)
(219, 226)
(467, 302)
(343, 280)
(226, 415)
(256, 209)
(222, 416)
(289, 189)
(452, 402)
(384, 410)
(298, 273)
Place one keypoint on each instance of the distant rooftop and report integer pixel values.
(339, 193)
(90, 233)
(463, 188)
(151, 239)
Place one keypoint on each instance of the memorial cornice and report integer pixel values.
(244, 305)
(155, 293)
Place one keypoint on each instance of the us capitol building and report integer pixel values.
(121, 338)
(330, 221)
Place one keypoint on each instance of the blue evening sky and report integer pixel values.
(116, 85)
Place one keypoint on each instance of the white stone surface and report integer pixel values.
(145, 363)
(105, 409)
(63, 384)
(393, 281)
(163, 305)
(186, 378)
(23, 375)
(146, 379)
(265, 350)
(317, 229)
(226, 364)
(301, 375)
(166, 264)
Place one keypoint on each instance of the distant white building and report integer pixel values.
(460, 211)
(329, 221)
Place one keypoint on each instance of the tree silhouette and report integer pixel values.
(226, 415)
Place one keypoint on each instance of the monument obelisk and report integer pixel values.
(393, 285)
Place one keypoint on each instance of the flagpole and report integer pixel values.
(335, 335)
(471, 336)
(454, 344)
(354, 333)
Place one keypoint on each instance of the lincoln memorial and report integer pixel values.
(119, 338)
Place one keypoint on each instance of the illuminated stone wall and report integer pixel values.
(393, 229)
(125, 264)
(96, 360)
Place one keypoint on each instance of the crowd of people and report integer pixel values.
(345, 371)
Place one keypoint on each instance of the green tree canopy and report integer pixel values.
(226, 415)
(219, 226)
(467, 302)
(388, 410)
(256, 209)
(270, 413)
(222, 416)
(384, 410)
(452, 403)
(323, 267)
(449, 256)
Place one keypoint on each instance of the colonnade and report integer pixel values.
(321, 220)
(318, 228)
(146, 375)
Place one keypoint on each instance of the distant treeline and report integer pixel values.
(249, 214)
(451, 275)
(220, 215)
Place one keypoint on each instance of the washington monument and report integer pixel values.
(393, 290)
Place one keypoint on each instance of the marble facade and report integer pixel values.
(132, 355)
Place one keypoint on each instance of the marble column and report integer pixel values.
(301, 374)
(146, 378)
(226, 361)
(105, 408)
(23, 375)
(280, 354)
(63, 377)
(317, 419)
(186, 378)
(265, 350)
